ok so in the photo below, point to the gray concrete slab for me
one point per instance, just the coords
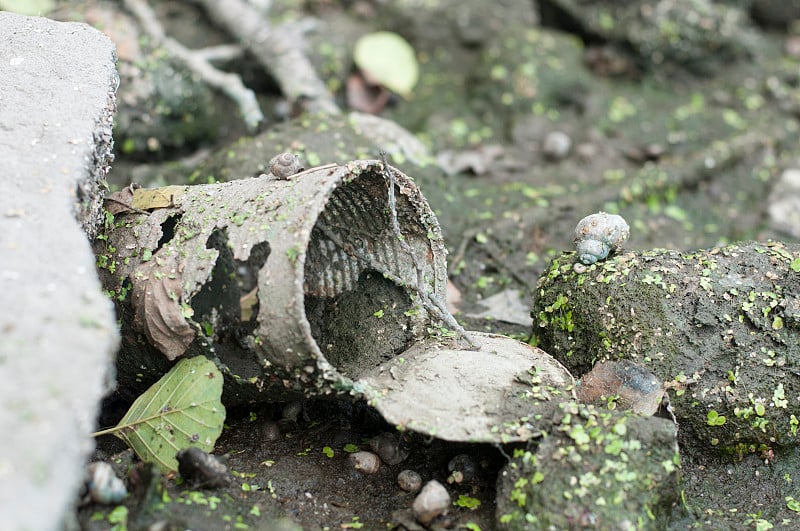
(57, 329)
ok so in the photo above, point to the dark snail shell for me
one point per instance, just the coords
(598, 235)
(284, 165)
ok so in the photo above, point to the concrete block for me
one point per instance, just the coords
(57, 330)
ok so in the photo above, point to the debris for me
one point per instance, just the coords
(202, 469)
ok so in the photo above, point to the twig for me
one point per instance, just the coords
(220, 52)
(279, 49)
(126, 205)
(230, 84)
(432, 303)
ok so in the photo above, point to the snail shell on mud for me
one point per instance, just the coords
(409, 481)
(365, 462)
(433, 501)
(202, 469)
(103, 484)
(284, 165)
(598, 235)
(387, 446)
(462, 468)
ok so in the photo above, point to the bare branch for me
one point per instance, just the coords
(280, 49)
(229, 84)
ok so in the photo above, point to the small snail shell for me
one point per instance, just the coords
(462, 469)
(103, 484)
(387, 446)
(598, 235)
(433, 501)
(284, 165)
(365, 462)
(409, 481)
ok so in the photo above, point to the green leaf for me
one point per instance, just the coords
(388, 59)
(180, 410)
(467, 502)
(28, 7)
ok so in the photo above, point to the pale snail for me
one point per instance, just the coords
(103, 485)
(365, 462)
(598, 235)
(284, 165)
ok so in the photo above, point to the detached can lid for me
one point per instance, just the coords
(504, 392)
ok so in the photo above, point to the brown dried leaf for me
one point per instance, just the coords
(149, 198)
(155, 299)
(248, 303)
(120, 202)
(365, 97)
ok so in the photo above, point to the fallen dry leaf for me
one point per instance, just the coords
(155, 299)
(149, 198)
(119, 202)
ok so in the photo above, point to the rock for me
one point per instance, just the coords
(696, 34)
(433, 501)
(201, 469)
(719, 327)
(58, 329)
(556, 145)
(624, 383)
(778, 14)
(598, 469)
(784, 203)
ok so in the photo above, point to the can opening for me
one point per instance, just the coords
(360, 318)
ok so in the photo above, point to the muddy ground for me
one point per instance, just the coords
(687, 135)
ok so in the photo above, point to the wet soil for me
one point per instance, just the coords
(296, 473)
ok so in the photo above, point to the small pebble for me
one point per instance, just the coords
(432, 502)
(556, 145)
(409, 481)
(271, 431)
(365, 462)
(202, 469)
(291, 411)
(586, 151)
(387, 446)
(103, 484)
